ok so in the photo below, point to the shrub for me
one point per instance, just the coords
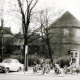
(32, 59)
(63, 61)
(19, 57)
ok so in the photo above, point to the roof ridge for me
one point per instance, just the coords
(66, 19)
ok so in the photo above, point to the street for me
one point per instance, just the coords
(37, 76)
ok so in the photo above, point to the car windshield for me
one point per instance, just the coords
(6, 61)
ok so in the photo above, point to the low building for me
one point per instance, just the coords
(5, 37)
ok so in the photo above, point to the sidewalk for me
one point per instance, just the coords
(52, 73)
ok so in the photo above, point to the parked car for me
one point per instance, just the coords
(10, 65)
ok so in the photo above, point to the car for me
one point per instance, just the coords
(10, 65)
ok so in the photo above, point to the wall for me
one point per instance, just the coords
(65, 39)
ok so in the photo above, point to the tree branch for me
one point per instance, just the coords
(34, 5)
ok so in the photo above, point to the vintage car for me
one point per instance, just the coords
(10, 65)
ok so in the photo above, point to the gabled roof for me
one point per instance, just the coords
(19, 36)
(67, 19)
(6, 30)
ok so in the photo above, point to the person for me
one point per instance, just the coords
(36, 68)
(65, 69)
(47, 68)
(57, 69)
(44, 67)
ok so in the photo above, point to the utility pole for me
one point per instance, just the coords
(1, 40)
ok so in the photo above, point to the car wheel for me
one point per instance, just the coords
(7, 70)
(19, 69)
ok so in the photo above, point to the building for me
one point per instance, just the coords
(66, 34)
(6, 32)
(13, 44)
(74, 58)
(5, 38)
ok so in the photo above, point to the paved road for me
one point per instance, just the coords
(38, 76)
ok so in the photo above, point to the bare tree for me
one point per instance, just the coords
(26, 17)
(45, 18)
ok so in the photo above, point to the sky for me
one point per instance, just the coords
(72, 6)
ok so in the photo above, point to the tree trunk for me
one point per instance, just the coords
(25, 46)
(50, 53)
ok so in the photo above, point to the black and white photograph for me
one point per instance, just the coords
(39, 39)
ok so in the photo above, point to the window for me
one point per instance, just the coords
(77, 32)
(76, 54)
(71, 54)
(66, 32)
(16, 61)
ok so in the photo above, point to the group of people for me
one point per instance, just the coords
(71, 70)
(45, 67)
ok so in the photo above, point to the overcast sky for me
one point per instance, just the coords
(71, 5)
